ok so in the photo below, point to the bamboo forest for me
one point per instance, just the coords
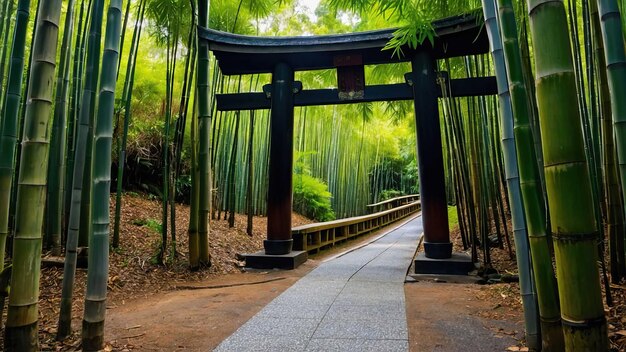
(313, 175)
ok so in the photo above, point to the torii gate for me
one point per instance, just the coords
(348, 54)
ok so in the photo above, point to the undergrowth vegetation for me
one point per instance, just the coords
(311, 198)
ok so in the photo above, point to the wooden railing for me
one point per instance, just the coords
(392, 203)
(315, 237)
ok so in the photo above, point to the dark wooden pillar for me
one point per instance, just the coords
(430, 157)
(279, 197)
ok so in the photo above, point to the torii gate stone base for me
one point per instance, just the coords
(348, 54)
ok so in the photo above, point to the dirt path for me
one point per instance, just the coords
(198, 319)
(440, 316)
(451, 317)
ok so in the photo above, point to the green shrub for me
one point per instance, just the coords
(389, 194)
(152, 224)
(311, 198)
(453, 218)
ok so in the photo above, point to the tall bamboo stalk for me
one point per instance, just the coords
(204, 129)
(56, 181)
(86, 109)
(127, 94)
(534, 333)
(5, 26)
(73, 111)
(547, 292)
(194, 245)
(10, 113)
(574, 228)
(98, 274)
(124, 27)
(615, 54)
(21, 327)
(250, 186)
(615, 215)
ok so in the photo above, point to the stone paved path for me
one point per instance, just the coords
(351, 303)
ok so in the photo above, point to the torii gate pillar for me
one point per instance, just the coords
(430, 158)
(437, 257)
(278, 246)
(279, 196)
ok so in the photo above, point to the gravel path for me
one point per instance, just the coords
(354, 302)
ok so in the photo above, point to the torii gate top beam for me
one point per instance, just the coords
(239, 54)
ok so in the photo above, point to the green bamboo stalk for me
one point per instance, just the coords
(527, 70)
(532, 195)
(97, 276)
(455, 151)
(194, 249)
(510, 144)
(590, 145)
(127, 98)
(231, 172)
(87, 191)
(169, 77)
(82, 135)
(249, 188)
(10, 113)
(56, 182)
(21, 326)
(5, 20)
(574, 228)
(124, 26)
(611, 70)
(20, 121)
(615, 54)
(72, 113)
(5, 26)
(190, 65)
(594, 116)
(615, 216)
(4, 15)
(204, 127)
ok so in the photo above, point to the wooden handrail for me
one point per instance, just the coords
(347, 221)
(315, 237)
(393, 199)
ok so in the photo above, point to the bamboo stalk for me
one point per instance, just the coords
(97, 276)
(574, 228)
(615, 216)
(56, 173)
(21, 326)
(126, 98)
(204, 127)
(87, 102)
(615, 54)
(9, 127)
(5, 26)
(535, 333)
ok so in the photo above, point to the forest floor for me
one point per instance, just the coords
(154, 307)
